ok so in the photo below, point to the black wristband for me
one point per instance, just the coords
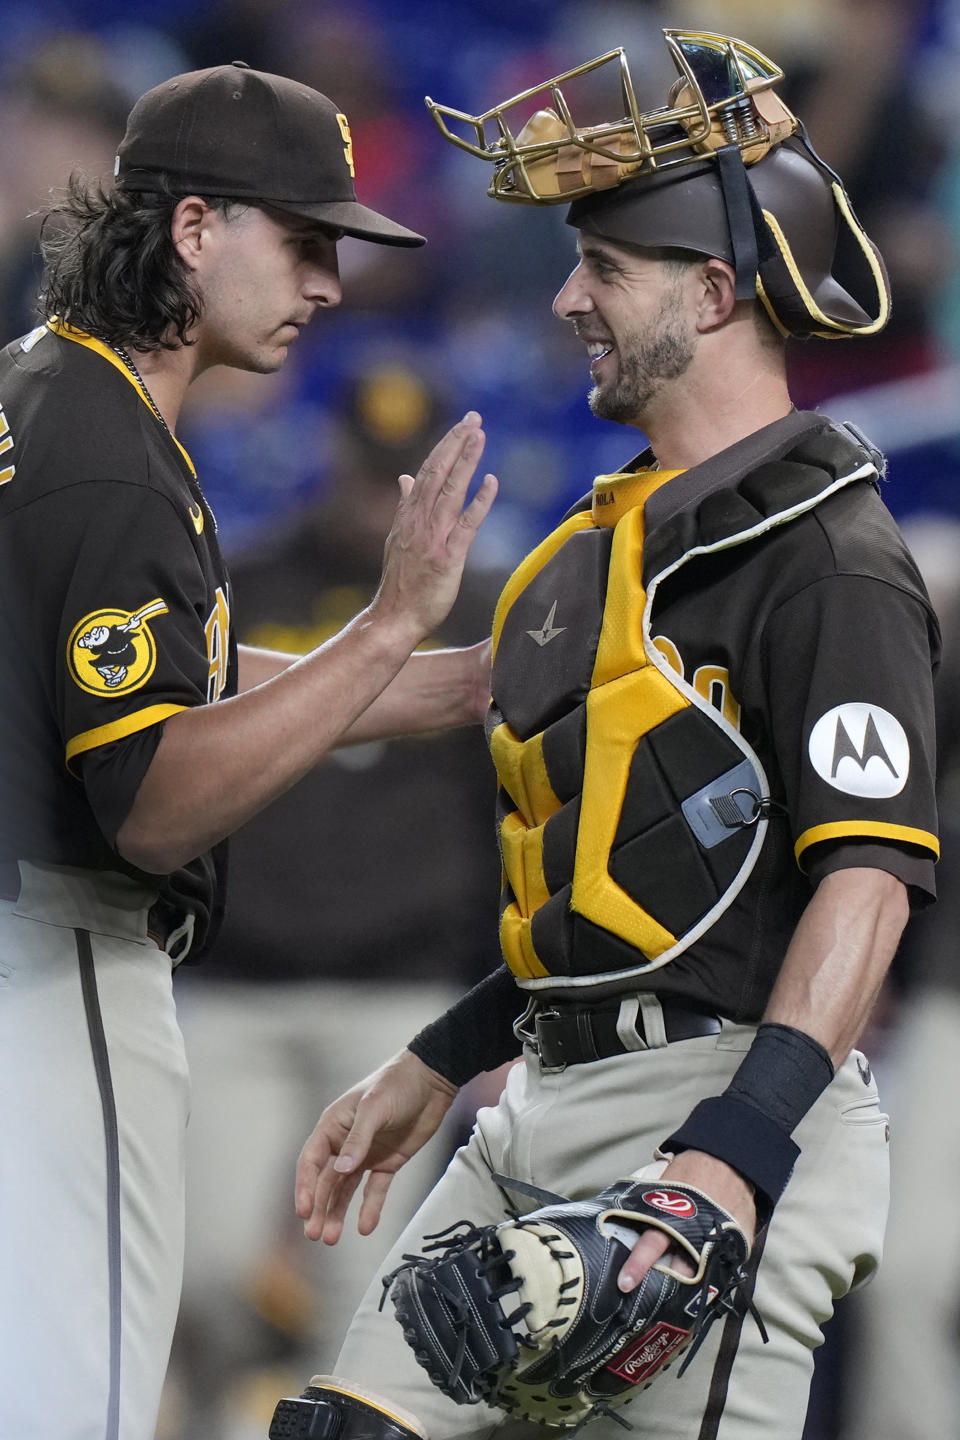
(476, 1033)
(743, 1137)
(750, 1124)
(782, 1074)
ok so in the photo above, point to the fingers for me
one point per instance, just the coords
(331, 1167)
(326, 1222)
(330, 1164)
(432, 532)
(340, 1193)
(469, 520)
(648, 1250)
(444, 477)
(374, 1194)
(323, 1201)
(331, 1201)
(311, 1195)
(467, 433)
(310, 1167)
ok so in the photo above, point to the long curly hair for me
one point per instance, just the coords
(111, 267)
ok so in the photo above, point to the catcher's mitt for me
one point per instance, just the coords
(527, 1316)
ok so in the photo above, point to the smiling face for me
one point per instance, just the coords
(631, 311)
(261, 274)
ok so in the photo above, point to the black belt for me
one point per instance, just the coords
(9, 880)
(575, 1034)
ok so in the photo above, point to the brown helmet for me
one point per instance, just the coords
(722, 169)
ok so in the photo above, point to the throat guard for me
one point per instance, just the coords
(722, 169)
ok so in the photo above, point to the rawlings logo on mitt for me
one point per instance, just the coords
(526, 1315)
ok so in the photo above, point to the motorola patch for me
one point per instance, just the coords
(862, 750)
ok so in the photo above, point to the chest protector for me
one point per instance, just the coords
(630, 809)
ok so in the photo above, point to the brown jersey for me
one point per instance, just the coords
(115, 609)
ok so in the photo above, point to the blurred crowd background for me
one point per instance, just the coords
(367, 898)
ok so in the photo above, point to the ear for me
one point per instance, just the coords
(187, 228)
(717, 294)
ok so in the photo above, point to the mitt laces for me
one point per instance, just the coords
(732, 1298)
(457, 1238)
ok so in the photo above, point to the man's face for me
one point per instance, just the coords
(261, 275)
(629, 309)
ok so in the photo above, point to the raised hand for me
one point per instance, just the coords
(433, 531)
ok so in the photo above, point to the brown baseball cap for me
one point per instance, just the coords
(242, 134)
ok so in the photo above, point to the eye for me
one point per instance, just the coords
(601, 266)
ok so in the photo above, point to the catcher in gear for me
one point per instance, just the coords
(712, 727)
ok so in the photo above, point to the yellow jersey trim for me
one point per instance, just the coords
(119, 729)
(868, 829)
(80, 337)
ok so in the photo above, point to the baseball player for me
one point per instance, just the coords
(712, 727)
(127, 754)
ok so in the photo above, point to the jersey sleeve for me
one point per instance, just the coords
(849, 663)
(136, 636)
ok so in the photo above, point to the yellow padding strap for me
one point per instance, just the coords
(617, 711)
(620, 648)
(516, 941)
(521, 848)
(614, 495)
(523, 774)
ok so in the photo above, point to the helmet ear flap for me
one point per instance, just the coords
(821, 274)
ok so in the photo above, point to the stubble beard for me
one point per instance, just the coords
(646, 360)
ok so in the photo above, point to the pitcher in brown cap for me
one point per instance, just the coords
(136, 734)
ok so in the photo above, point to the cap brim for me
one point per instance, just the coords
(353, 219)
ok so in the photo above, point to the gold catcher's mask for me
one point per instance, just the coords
(722, 169)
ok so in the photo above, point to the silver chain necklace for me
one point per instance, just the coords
(121, 354)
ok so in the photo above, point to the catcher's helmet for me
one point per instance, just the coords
(722, 169)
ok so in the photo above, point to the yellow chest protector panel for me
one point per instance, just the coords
(628, 807)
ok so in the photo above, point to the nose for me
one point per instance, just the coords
(572, 299)
(322, 287)
(321, 281)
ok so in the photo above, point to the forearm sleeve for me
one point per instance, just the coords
(476, 1033)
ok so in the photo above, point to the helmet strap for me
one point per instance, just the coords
(739, 204)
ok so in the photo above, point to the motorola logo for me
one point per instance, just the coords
(862, 750)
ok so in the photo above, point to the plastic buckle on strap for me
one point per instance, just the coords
(548, 1041)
